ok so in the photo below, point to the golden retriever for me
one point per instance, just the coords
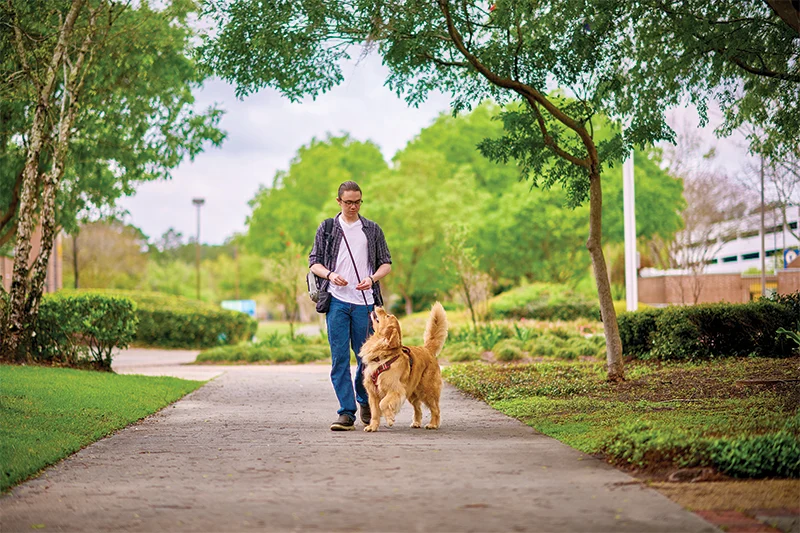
(394, 373)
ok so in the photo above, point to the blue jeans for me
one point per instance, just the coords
(348, 326)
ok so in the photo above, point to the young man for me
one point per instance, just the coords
(351, 276)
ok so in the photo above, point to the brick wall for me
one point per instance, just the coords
(789, 281)
(734, 288)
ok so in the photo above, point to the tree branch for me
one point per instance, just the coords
(761, 71)
(526, 91)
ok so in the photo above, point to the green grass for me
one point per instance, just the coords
(50, 413)
(273, 326)
(664, 416)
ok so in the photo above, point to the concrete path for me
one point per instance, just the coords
(251, 450)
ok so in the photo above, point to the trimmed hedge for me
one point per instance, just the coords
(168, 321)
(72, 327)
(711, 330)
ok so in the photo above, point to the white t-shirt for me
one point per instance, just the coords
(344, 265)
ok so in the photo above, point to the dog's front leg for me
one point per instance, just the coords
(375, 412)
(390, 405)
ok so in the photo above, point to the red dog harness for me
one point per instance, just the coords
(385, 366)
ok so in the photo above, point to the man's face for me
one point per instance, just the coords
(350, 202)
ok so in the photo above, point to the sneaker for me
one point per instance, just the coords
(343, 423)
(366, 415)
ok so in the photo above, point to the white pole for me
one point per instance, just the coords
(629, 212)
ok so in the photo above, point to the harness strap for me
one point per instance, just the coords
(385, 366)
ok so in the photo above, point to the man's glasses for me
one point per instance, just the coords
(351, 203)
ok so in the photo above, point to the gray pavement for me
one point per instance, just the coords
(251, 450)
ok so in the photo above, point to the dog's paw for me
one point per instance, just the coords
(431, 426)
(371, 428)
(416, 425)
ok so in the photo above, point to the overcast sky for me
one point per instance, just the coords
(265, 132)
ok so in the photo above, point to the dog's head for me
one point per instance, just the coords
(387, 328)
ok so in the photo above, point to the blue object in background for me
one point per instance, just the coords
(247, 307)
(789, 256)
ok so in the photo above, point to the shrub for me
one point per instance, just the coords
(73, 326)
(638, 444)
(174, 322)
(542, 301)
(508, 350)
(776, 454)
(461, 352)
(710, 330)
(720, 330)
(254, 353)
(636, 329)
(541, 346)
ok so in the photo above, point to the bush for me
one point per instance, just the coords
(710, 330)
(638, 444)
(542, 301)
(254, 353)
(175, 322)
(508, 350)
(72, 326)
(462, 352)
(636, 329)
(721, 330)
(776, 454)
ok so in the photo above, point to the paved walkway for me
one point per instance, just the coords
(251, 450)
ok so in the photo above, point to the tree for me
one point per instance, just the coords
(413, 202)
(513, 50)
(292, 208)
(285, 280)
(112, 255)
(743, 55)
(463, 261)
(98, 96)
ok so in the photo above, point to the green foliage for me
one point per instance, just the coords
(771, 455)
(508, 350)
(290, 211)
(715, 330)
(274, 347)
(461, 352)
(636, 330)
(543, 301)
(71, 325)
(174, 322)
(136, 114)
(649, 424)
(50, 413)
(707, 331)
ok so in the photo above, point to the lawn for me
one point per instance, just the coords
(50, 413)
(666, 416)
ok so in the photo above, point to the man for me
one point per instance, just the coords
(351, 277)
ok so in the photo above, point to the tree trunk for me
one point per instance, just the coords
(409, 303)
(469, 302)
(21, 314)
(608, 314)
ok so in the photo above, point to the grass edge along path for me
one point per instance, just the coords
(666, 416)
(51, 413)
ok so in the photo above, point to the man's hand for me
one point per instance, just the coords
(336, 279)
(365, 284)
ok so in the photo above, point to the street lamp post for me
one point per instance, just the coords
(199, 203)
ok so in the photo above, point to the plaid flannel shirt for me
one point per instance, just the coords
(326, 250)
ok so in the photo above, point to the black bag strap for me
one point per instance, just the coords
(358, 276)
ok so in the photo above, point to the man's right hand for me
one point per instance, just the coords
(336, 279)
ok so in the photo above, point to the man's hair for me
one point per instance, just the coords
(348, 186)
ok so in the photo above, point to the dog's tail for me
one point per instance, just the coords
(436, 329)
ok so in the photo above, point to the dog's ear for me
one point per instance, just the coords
(393, 336)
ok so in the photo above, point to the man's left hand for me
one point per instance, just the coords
(365, 284)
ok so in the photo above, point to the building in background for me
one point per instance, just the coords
(53, 281)
(731, 263)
